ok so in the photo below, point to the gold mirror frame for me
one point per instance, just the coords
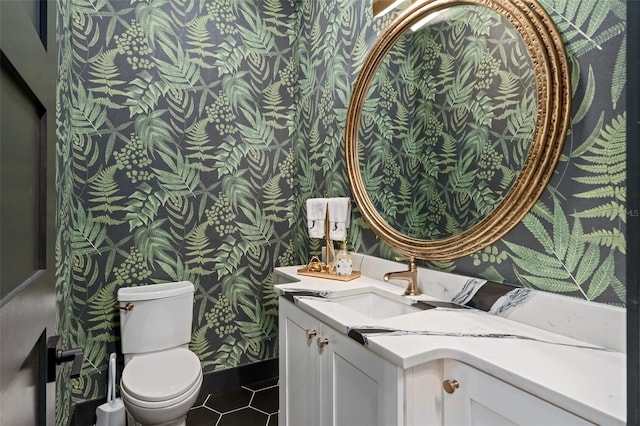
(553, 89)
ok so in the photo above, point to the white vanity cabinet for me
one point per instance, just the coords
(402, 380)
(328, 379)
(478, 398)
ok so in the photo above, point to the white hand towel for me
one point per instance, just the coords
(339, 217)
(316, 212)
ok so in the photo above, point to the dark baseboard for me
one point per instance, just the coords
(233, 378)
(84, 413)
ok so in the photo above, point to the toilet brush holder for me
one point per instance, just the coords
(112, 412)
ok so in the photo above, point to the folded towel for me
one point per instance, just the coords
(316, 212)
(339, 217)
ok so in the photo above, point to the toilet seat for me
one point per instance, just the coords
(161, 379)
(161, 405)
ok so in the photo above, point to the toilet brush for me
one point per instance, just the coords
(112, 412)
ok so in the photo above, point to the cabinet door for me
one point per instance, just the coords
(299, 367)
(358, 387)
(482, 399)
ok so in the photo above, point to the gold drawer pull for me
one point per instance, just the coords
(322, 341)
(310, 333)
(450, 386)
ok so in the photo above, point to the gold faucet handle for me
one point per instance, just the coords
(411, 259)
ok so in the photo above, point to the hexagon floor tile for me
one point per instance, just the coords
(251, 405)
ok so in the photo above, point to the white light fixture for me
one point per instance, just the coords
(382, 7)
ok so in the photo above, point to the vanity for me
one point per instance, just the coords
(362, 353)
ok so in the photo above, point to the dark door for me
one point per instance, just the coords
(27, 211)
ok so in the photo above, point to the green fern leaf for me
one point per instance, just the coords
(549, 284)
(238, 288)
(587, 101)
(229, 255)
(611, 210)
(590, 140)
(86, 234)
(87, 116)
(275, 206)
(239, 90)
(570, 20)
(459, 94)
(155, 132)
(602, 279)
(572, 262)
(237, 189)
(258, 132)
(104, 191)
(588, 264)
(228, 56)
(199, 145)
(101, 311)
(619, 78)
(181, 72)
(199, 41)
(260, 328)
(603, 179)
(537, 263)
(156, 22)
(155, 243)
(105, 74)
(601, 192)
(200, 344)
(259, 230)
(607, 238)
(144, 93)
(229, 354)
(178, 178)
(176, 270)
(575, 247)
(143, 206)
(198, 251)
(180, 212)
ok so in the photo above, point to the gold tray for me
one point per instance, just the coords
(305, 271)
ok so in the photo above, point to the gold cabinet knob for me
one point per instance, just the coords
(310, 333)
(322, 341)
(450, 386)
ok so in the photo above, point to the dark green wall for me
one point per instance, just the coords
(176, 155)
(190, 133)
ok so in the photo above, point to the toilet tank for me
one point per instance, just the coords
(160, 318)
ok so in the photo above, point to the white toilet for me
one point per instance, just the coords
(162, 377)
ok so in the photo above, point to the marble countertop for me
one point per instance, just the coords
(584, 378)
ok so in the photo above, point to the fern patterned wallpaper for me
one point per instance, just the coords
(190, 133)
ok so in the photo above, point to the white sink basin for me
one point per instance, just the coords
(375, 306)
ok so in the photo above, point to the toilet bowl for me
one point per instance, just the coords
(161, 379)
(160, 388)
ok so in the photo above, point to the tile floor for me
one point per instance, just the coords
(251, 405)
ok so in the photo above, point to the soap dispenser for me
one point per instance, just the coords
(344, 263)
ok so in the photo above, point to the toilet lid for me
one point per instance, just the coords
(162, 375)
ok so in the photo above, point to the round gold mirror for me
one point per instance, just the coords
(460, 161)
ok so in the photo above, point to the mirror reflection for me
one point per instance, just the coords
(447, 122)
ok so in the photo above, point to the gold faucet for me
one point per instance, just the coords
(411, 275)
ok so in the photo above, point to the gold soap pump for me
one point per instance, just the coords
(344, 263)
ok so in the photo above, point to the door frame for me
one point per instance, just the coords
(28, 312)
(633, 216)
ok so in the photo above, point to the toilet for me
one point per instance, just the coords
(162, 377)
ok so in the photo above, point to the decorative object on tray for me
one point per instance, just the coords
(329, 218)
